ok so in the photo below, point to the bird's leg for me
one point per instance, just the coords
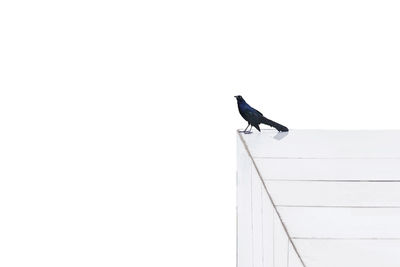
(249, 132)
(246, 128)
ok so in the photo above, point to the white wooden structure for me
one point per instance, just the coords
(318, 198)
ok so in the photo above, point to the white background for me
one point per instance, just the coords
(117, 118)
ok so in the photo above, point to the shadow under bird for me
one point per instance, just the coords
(255, 117)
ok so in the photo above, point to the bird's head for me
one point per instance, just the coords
(239, 98)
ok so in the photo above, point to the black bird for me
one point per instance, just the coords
(255, 117)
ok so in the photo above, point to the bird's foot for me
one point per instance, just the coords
(247, 132)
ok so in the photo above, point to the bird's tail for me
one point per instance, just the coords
(276, 125)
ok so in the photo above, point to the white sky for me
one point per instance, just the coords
(117, 118)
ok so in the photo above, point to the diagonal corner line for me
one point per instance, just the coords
(270, 197)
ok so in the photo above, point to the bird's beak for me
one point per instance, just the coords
(236, 96)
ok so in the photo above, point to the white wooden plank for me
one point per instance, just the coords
(267, 231)
(256, 209)
(329, 169)
(335, 194)
(325, 144)
(349, 253)
(281, 244)
(244, 215)
(341, 222)
(293, 259)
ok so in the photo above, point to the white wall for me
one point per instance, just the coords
(117, 118)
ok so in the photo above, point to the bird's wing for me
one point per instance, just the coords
(259, 113)
(252, 113)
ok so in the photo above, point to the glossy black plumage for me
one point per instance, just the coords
(254, 117)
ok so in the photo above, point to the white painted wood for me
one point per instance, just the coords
(244, 215)
(350, 253)
(262, 241)
(257, 219)
(341, 222)
(267, 231)
(329, 169)
(281, 244)
(293, 259)
(335, 194)
(355, 173)
(325, 144)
